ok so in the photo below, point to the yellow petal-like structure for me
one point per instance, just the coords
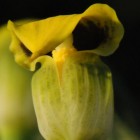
(41, 37)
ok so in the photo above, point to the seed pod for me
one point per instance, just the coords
(78, 106)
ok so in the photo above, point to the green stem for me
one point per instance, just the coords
(11, 134)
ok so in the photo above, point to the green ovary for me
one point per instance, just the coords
(78, 106)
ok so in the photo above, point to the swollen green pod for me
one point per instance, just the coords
(78, 106)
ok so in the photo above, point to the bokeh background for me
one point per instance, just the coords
(124, 63)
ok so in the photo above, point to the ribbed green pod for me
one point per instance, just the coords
(80, 105)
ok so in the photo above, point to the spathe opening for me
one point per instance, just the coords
(88, 34)
(25, 50)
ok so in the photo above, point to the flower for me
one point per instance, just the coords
(72, 90)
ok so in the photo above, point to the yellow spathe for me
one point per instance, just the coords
(37, 38)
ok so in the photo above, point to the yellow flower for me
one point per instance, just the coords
(72, 90)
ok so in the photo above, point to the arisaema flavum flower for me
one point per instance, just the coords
(72, 89)
(17, 116)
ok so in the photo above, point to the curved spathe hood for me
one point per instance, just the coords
(40, 37)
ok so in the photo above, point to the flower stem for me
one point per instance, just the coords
(11, 134)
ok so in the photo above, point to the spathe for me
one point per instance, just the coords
(41, 37)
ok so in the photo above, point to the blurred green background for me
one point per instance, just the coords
(124, 63)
